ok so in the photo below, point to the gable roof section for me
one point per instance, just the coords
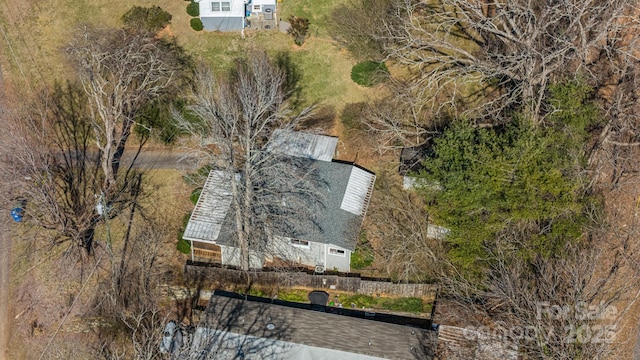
(211, 209)
(344, 188)
(332, 225)
(336, 225)
(225, 345)
(303, 331)
(304, 145)
(223, 23)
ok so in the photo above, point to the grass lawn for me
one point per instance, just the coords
(37, 31)
(360, 301)
(318, 13)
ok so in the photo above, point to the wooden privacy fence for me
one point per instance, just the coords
(297, 278)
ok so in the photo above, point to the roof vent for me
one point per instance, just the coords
(271, 326)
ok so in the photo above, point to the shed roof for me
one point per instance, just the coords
(297, 331)
(304, 145)
(211, 209)
(358, 191)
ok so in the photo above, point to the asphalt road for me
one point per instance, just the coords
(162, 159)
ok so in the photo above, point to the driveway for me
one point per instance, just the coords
(163, 159)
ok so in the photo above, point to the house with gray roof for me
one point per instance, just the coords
(345, 188)
(236, 326)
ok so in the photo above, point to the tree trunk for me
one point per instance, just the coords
(86, 237)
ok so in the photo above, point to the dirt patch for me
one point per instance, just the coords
(5, 268)
(621, 239)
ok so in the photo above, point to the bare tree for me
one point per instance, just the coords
(135, 304)
(356, 26)
(121, 71)
(54, 169)
(483, 59)
(568, 306)
(71, 186)
(613, 156)
(239, 113)
(406, 245)
(402, 119)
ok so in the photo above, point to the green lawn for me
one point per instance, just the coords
(36, 33)
(411, 304)
(318, 13)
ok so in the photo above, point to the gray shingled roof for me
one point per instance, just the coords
(301, 333)
(344, 188)
(333, 224)
(336, 225)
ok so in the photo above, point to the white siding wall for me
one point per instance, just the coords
(313, 254)
(310, 255)
(262, 3)
(231, 256)
(236, 9)
(341, 262)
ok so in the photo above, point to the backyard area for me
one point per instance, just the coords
(413, 305)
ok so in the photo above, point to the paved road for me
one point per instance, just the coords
(163, 159)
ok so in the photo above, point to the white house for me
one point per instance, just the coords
(344, 187)
(222, 15)
(230, 15)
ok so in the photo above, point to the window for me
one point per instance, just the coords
(215, 6)
(256, 7)
(336, 252)
(226, 6)
(297, 242)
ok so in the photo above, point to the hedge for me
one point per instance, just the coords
(193, 9)
(369, 73)
(196, 24)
